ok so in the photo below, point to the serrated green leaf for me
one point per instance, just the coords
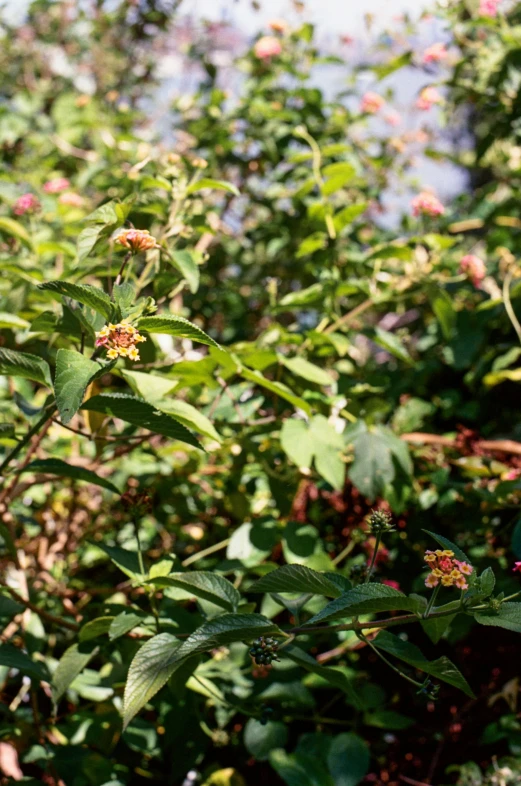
(72, 663)
(487, 582)
(171, 325)
(64, 470)
(94, 297)
(124, 297)
(219, 185)
(74, 372)
(365, 599)
(140, 413)
(508, 616)
(14, 658)
(297, 578)
(442, 668)
(203, 584)
(22, 364)
(224, 630)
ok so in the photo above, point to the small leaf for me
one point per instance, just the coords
(124, 297)
(72, 663)
(487, 582)
(171, 325)
(207, 182)
(64, 470)
(297, 578)
(435, 627)
(22, 364)
(74, 372)
(140, 413)
(442, 668)
(348, 759)
(94, 297)
(203, 584)
(365, 599)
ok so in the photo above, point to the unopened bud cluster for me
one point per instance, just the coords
(120, 340)
(264, 651)
(446, 570)
(380, 521)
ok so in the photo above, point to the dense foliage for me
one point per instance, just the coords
(261, 466)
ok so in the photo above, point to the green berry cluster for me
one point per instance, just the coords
(380, 521)
(264, 651)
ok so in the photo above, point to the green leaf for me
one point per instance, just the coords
(308, 371)
(261, 738)
(508, 616)
(388, 720)
(487, 582)
(275, 387)
(337, 176)
(348, 759)
(225, 630)
(124, 623)
(297, 578)
(347, 215)
(304, 297)
(392, 344)
(22, 364)
(297, 443)
(442, 668)
(332, 674)
(435, 627)
(203, 584)
(14, 658)
(151, 668)
(299, 770)
(448, 544)
(444, 311)
(219, 185)
(64, 470)
(8, 606)
(328, 446)
(151, 387)
(188, 415)
(94, 297)
(314, 242)
(365, 599)
(95, 628)
(72, 663)
(125, 298)
(171, 325)
(377, 452)
(140, 413)
(74, 372)
(184, 262)
(127, 561)
(8, 226)
(12, 321)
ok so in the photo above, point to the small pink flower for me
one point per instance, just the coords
(488, 7)
(266, 47)
(27, 203)
(393, 119)
(391, 583)
(517, 567)
(464, 567)
(347, 39)
(431, 581)
(278, 25)
(71, 199)
(435, 53)
(474, 267)
(427, 204)
(56, 185)
(512, 474)
(427, 98)
(371, 103)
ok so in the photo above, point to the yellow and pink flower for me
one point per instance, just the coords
(426, 204)
(371, 103)
(120, 340)
(447, 570)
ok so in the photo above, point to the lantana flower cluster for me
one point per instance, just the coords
(120, 340)
(427, 204)
(136, 240)
(446, 570)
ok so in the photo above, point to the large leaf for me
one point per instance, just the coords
(203, 584)
(64, 470)
(171, 325)
(74, 372)
(348, 759)
(84, 293)
(225, 630)
(297, 769)
(151, 667)
(508, 616)
(297, 443)
(72, 663)
(187, 414)
(365, 599)
(378, 453)
(442, 668)
(22, 364)
(261, 738)
(140, 413)
(297, 578)
(14, 658)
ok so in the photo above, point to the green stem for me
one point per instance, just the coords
(388, 662)
(30, 434)
(373, 558)
(388, 622)
(139, 553)
(432, 598)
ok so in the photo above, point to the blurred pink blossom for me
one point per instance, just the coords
(71, 199)
(56, 185)
(488, 7)
(428, 97)
(371, 103)
(278, 25)
(267, 46)
(27, 203)
(435, 53)
(393, 119)
(474, 267)
(427, 204)
(391, 583)
(517, 566)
